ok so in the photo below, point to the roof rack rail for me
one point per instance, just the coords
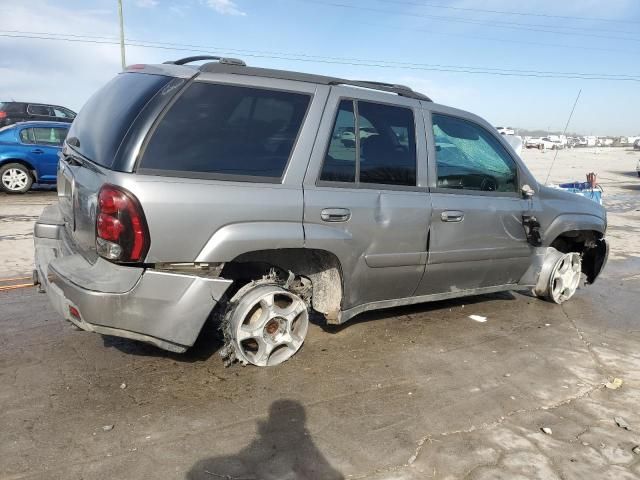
(223, 60)
(401, 90)
(234, 66)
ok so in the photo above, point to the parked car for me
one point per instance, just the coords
(29, 154)
(14, 112)
(547, 143)
(636, 144)
(532, 142)
(221, 192)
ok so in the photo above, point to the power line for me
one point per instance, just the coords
(510, 12)
(503, 41)
(508, 25)
(353, 62)
(218, 48)
(432, 32)
(546, 25)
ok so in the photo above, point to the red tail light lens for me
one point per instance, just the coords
(3, 114)
(121, 229)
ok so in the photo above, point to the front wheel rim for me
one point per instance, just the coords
(15, 179)
(565, 277)
(269, 326)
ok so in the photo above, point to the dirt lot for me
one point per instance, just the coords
(409, 393)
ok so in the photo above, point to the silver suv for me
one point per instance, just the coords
(228, 192)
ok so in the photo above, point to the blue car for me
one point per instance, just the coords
(29, 154)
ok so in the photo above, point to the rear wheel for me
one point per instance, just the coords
(15, 178)
(265, 324)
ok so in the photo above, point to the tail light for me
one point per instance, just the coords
(121, 229)
(3, 114)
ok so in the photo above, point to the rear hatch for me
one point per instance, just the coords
(101, 140)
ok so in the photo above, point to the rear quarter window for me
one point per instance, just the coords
(227, 132)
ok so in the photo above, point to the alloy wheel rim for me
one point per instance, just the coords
(270, 325)
(566, 277)
(15, 179)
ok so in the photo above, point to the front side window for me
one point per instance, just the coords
(50, 136)
(63, 112)
(219, 130)
(380, 145)
(468, 157)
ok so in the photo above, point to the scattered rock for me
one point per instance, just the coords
(478, 318)
(585, 444)
(547, 430)
(507, 374)
(615, 384)
(107, 428)
(123, 386)
(622, 423)
(636, 449)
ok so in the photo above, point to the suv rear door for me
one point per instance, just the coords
(365, 195)
(477, 238)
(46, 146)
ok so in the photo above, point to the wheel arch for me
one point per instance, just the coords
(32, 170)
(321, 267)
(591, 244)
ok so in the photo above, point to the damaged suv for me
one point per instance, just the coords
(225, 191)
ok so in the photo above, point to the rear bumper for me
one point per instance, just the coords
(165, 309)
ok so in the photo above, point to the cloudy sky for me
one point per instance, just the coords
(507, 56)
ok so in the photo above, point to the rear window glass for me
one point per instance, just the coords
(105, 118)
(225, 131)
(12, 107)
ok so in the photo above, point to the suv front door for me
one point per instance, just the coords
(477, 238)
(365, 195)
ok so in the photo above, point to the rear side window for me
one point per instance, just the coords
(225, 131)
(50, 136)
(40, 110)
(26, 135)
(378, 148)
(340, 162)
(105, 118)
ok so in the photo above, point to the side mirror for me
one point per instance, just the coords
(527, 191)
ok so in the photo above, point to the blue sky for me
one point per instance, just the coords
(393, 33)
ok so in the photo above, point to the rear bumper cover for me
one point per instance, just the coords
(161, 308)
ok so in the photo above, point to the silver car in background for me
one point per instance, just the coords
(228, 192)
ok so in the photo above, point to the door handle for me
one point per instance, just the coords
(335, 214)
(452, 216)
(37, 150)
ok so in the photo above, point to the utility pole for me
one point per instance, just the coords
(122, 56)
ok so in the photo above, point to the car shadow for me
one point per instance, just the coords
(418, 308)
(283, 449)
(627, 173)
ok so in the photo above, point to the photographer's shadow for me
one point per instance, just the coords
(283, 450)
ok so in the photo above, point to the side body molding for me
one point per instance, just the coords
(238, 238)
